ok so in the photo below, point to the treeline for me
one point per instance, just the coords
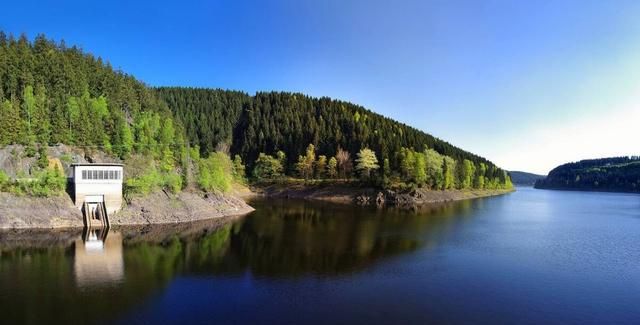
(270, 124)
(618, 174)
(423, 169)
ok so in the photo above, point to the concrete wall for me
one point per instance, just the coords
(110, 189)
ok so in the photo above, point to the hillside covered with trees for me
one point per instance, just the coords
(524, 178)
(174, 138)
(51, 94)
(619, 174)
(310, 137)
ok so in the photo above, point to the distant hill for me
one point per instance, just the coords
(618, 174)
(524, 178)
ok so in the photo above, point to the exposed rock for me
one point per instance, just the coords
(20, 212)
(25, 212)
(351, 193)
(14, 161)
(157, 208)
(380, 199)
(363, 199)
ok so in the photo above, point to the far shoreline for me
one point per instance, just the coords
(352, 194)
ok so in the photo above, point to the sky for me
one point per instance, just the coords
(527, 84)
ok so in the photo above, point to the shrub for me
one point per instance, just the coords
(49, 182)
(173, 182)
(153, 180)
(4, 180)
(43, 160)
(267, 167)
(66, 158)
(238, 170)
(215, 173)
(146, 183)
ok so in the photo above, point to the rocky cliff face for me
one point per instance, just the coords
(15, 161)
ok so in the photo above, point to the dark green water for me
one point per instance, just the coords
(530, 257)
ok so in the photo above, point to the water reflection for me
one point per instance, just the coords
(98, 258)
(297, 237)
(75, 277)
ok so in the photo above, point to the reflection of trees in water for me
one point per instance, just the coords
(52, 284)
(283, 238)
(48, 278)
(296, 237)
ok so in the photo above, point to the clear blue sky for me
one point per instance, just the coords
(528, 84)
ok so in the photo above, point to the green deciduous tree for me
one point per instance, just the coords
(332, 167)
(306, 163)
(467, 170)
(238, 169)
(435, 175)
(267, 167)
(366, 162)
(419, 169)
(321, 166)
(449, 172)
(215, 173)
(480, 176)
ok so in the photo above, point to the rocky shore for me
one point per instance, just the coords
(344, 193)
(161, 208)
(24, 212)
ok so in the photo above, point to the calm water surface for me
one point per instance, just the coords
(533, 256)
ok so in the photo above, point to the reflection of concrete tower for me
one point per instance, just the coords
(98, 258)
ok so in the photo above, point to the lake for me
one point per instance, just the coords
(533, 256)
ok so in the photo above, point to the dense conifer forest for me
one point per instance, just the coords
(619, 174)
(272, 122)
(51, 93)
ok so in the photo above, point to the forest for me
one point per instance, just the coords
(51, 93)
(269, 124)
(618, 174)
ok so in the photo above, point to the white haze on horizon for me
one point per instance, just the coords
(611, 134)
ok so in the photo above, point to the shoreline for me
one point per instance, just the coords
(59, 212)
(160, 208)
(568, 189)
(348, 194)
(46, 238)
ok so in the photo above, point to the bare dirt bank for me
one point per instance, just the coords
(24, 212)
(345, 193)
(160, 208)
